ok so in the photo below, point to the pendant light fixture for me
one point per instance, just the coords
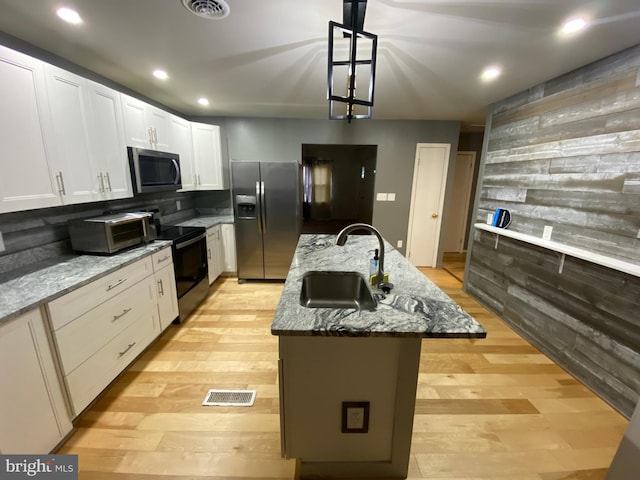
(352, 64)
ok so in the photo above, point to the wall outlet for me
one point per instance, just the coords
(355, 417)
(638, 234)
(546, 232)
(399, 244)
(489, 218)
(2, 248)
(177, 204)
(381, 197)
(391, 197)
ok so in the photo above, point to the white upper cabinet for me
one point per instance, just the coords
(211, 169)
(145, 125)
(71, 153)
(108, 146)
(27, 180)
(180, 140)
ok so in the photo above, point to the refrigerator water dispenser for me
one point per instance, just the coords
(246, 206)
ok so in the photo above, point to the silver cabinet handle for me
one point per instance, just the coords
(150, 135)
(209, 253)
(166, 257)
(199, 182)
(129, 347)
(118, 283)
(60, 181)
(155, 136)
(100, 183)
(124, 312)
(108, 181)
(161, 287)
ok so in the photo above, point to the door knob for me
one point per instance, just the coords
(434, 215)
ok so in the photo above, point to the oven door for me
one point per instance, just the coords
(190, 262)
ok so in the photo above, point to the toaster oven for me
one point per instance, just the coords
(111, 233)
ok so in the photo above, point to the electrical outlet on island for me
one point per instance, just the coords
(2, 249)
(177, 204)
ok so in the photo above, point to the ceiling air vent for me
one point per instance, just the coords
(211, 9)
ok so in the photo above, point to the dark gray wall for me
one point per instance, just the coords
(281, 140)
(566, 153)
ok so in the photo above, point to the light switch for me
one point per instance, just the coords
(391, 197)
(546, 232)
(381, 197)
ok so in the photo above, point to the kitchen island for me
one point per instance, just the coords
(348, 377)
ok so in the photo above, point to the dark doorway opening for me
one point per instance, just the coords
(338, 186)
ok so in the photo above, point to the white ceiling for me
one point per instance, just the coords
(269, 57)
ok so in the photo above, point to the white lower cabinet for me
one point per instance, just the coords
(215, 254)
(166, 287)
(101, 327)
(33, 413)
(229, 247)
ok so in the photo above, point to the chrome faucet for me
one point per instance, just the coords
(342, 239)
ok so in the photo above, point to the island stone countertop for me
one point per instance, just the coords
(206, 221)
(43, 285)
(415, 307)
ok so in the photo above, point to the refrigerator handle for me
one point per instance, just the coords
(263, 208)
(259, 202)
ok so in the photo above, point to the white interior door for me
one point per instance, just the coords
(427, 198)
(456, 223)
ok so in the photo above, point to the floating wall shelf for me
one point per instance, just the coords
(563, 250)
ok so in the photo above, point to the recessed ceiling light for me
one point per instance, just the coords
(203, 101)
(161, 74)
(69, 15)
(490, 73)
(574, 25)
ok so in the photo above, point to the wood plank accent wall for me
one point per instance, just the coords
(566, 153)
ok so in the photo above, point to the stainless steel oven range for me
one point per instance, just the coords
(190, 265)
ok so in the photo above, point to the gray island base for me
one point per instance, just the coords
(348, 378)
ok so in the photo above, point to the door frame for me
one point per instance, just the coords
(473, 154)
(445, 176)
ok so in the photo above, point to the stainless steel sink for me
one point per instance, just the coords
(326, 289)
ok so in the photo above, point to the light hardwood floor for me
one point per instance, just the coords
(490, 409)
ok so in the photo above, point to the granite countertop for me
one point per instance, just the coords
(415, 307)
(42, 285)
(206, 221)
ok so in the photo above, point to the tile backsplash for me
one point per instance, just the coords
(35, 238)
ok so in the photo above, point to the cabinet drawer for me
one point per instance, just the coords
(162, 258)
(80, 339)
(72, 305)
(90, 378)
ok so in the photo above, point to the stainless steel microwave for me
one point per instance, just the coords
(154, 171)
(112, 233)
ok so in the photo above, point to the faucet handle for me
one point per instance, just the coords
(386, 287)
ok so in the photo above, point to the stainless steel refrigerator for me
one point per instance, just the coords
(267, 206)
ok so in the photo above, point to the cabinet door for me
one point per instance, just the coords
(180, 140)
(214, 260)
(137, 130)
(68, 102)
(107, 140)
(158, 120)
(207, 156)
(33, 415)
(167, 296)
(27, 180)
(229, 247)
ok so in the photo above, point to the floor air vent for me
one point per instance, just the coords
(230, 398)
